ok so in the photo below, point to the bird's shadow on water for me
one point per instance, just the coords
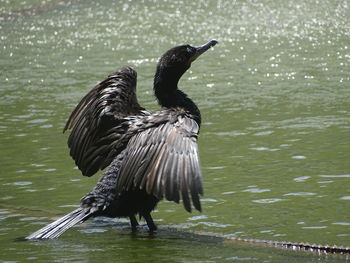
(123, 229)
(115, 237)
(122, 226)
(118, 240)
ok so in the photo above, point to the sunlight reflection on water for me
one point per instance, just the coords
(274, 98)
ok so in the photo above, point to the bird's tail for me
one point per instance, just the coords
(61, 225)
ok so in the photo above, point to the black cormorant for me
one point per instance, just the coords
(151, 156)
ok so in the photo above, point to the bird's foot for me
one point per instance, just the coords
(134, 223)
(151, 225)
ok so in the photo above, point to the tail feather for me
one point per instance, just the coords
(61, 225)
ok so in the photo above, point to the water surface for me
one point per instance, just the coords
(274, 144)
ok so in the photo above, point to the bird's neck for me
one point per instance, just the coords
(169, 96)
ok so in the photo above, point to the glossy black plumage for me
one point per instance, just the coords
(151, 156)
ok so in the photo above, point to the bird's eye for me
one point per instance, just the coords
(190, 50)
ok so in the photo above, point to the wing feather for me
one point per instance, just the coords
(99, 121)
(163, 159)
(173, 180)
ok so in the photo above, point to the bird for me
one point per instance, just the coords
(148, 156)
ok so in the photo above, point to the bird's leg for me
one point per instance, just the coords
(133, 222)
(151, 226)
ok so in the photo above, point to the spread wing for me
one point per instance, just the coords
(164, 160)
(98, 114)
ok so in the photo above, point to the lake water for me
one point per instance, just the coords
(274, 144)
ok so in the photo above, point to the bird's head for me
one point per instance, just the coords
(174, 63)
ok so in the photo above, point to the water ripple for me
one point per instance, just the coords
(214, 224)
(209, 200)
(335, 176)
(236, 258)
(314, 227)
(300, 194)
(229, 133)
(265, 149)
(299, 157)
(341, 223)
(267, 200)
(92, 230)
(256, 190)
(263, 133)
(22, 183)
(228, 193)
(301, 178)
(38, 121)
(193, 218)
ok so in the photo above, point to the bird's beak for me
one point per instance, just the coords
(201, 49)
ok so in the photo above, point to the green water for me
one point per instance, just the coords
(274, 144)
